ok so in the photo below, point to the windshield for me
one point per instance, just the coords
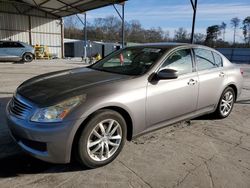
(130, 61)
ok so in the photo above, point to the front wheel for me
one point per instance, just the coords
(226, 103)
(102, 139)
(28, 57)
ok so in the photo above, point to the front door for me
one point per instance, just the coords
(168, 99)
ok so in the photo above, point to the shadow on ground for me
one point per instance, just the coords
(243, 101)
(22, 163)
(213, 117)
(7, 146)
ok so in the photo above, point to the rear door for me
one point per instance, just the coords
(169, 99)
(211, 77)
(13, 50)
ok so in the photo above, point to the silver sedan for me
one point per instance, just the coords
(90, 112)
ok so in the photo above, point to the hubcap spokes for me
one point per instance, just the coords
(104, 140)
(28, 57)
(226, 103)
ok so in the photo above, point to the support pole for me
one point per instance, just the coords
(123, 25)
(30, 34)
(194, 6)
(122, 16)
(85, 36)
(62, 38)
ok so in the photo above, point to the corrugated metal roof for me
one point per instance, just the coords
(61, 8)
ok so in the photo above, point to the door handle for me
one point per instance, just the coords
(222, 74)
(192, 82)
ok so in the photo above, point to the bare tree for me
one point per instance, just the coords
(108, 29)
(235, 22)
(181, 35)
(223, 29)
(70, 22)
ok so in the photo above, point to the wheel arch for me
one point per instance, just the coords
(122, 111)
(234, 87)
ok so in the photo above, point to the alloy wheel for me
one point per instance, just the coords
(226, 103)
(28, 58)
(104, 140)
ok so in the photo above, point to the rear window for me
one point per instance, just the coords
(204, 59)
(217, 60)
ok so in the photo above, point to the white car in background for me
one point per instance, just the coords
(16, 51)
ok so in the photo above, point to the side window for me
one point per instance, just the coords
(16, 45)
(217, 60)
(1, 44)
(204, 59)
(7, 44)
(181, 61)
(12, 45)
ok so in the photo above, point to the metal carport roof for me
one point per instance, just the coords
(61, 8)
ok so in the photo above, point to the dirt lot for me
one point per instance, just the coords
(204, 153)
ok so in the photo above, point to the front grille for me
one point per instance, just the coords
(19, 108)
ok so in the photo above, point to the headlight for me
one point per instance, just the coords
(57, 112)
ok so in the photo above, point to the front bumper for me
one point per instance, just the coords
(51, 142)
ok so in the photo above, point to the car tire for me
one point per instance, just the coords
(226, 103)
(28, 57)
(93, 149)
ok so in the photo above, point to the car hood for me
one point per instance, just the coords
(53, 87)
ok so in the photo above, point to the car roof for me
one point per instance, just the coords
(10, 41)
(168, 45)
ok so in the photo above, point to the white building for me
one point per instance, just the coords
(40, 21)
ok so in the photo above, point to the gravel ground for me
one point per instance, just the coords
(202, 153)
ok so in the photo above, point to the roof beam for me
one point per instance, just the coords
(16, 8)
(65, 8)
(110, 2)
(35, 3)
(70, 6)
(44, 2)
(28, 5)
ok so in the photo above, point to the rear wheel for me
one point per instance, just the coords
(102, 139)
(28, 57)
(226, 103)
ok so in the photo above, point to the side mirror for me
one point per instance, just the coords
(165, 74)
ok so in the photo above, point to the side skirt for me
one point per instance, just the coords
(186, 117)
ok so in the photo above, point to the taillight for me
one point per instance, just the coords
(241, 71)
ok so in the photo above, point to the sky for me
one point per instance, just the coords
(172, 14)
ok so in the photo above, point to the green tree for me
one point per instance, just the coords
(212, 34)
(246, 29)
